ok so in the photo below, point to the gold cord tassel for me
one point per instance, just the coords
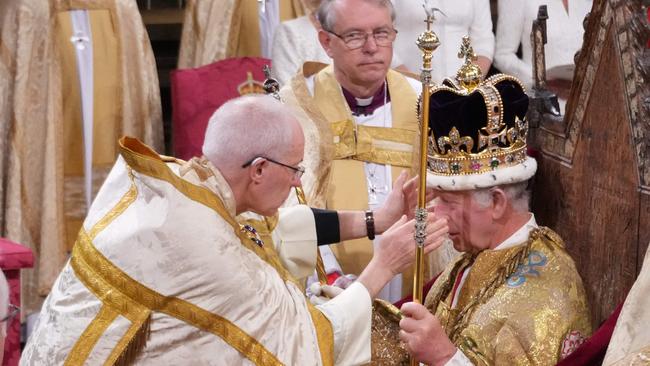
(136, 344)
(486, 293)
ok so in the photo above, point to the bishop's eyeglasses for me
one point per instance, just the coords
(298, 171)
(384, 37)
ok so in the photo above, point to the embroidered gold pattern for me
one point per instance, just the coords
(381, 145)
(82, 348)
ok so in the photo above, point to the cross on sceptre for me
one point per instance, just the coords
(429, 20)
(430, 10)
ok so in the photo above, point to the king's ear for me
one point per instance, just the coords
(499, 203)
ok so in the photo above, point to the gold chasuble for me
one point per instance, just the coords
(76, 75)
(524, 305)
(336, 149)
(162, 274)
(214, 30)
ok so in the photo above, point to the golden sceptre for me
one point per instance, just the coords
(272, 87)
(427, 43)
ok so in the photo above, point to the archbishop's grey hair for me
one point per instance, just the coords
(247, 127)
(517, 193)
(326, 13)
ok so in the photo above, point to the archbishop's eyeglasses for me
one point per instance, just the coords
(384, 37)
(298, 171)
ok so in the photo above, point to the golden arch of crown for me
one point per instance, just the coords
(497, 146)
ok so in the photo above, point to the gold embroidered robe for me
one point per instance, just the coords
(40, 120)
(524, 305)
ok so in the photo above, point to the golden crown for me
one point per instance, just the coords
(476, 126)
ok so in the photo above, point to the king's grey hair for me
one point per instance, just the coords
(517, 193)
(326, 13)
(247, 127)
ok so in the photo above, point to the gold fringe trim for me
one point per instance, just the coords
(131, 343)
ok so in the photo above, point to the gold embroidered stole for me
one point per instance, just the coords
(244, 33)
(356, 144)
(122, 295)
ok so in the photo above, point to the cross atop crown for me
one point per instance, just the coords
(467, 51)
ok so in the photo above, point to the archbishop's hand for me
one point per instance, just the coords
(423, 335)
(394, 207)
(410, 193)
(323, 293)
(396, 251)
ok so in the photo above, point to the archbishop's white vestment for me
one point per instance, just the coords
(162, 274)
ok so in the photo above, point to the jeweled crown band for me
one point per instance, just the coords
(476, 163)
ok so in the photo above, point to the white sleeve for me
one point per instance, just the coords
(480, 31)
(509, 34)
(350, 314)
(284, 60)
(296, 241)
(459, 359)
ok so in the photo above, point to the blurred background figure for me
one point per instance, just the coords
(74, 76)
(295, 42)
(564, 34)
(214, 30)
(455, 20)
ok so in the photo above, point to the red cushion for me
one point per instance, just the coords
(197, 93)
(15, 256)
